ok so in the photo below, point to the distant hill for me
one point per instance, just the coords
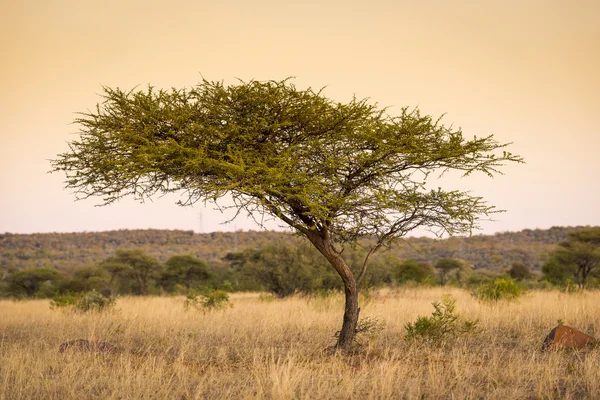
(67, 251)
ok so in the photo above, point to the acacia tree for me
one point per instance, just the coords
(578, 255)
(334, 172)
(185, 270)
(30, 280)
(445, 266)
(135, 265)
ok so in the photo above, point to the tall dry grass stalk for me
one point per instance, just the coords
(276, 350)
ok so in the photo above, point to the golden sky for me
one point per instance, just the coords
(526, 71)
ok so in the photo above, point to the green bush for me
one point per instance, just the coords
(215, 300)
(441, 325)
(94, 301)
(266, 297)
(412, 273)
(83, 302)
(67, 299)
(498, 289)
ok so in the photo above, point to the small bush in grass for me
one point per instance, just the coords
(94, 301)
(227, 286)
(367, 328)
(215, 300)
(442, 324)
(63, 300)
(370, 326)
(266, 297)
(498, 289)
(90, 301)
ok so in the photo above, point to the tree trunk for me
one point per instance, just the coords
(351, 310)
(580, 277)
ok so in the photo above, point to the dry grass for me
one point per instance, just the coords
(275, 350)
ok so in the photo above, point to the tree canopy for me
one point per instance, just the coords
(315, 163)
(30, 280)
(335, 172)
(445, 266)
(578, 256)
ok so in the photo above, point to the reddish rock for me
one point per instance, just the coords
(563, 337)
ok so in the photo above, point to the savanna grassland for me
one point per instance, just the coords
(278, 350)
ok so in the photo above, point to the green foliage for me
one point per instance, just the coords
(519, 271)
(215, 300)
(578, 256)
(412, 271)
(557, 273)
(443, 323)
(446, 266)
(227, 286)
(286, 269)
(266, 298)
(379, 273)
(83, 302)
(94, 301)
(87, 278)
(498, 289)
(64, 300)
(133, 268)
(185, 270)
(29, 281)
(291, 153)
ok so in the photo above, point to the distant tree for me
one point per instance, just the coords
(240, 270)
(184, 270)
(445, 267)
(85, 279)
(579, 254)
(519, 271)
(333, 172)
(481, 276)
(285, 269)
(378, 274)
(117, 271)
(141, 268)
(30, 280)
(462, 274)
(557, 273)
(411, 270)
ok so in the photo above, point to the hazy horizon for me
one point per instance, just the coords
(526, 72)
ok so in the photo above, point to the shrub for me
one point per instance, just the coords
(442, 324)
(227, 286)
(94, 301)
(90, 301)
(370, 326)
(266, 297)
(519, 271)
(498, 289)
(217, 299)
(67, 299)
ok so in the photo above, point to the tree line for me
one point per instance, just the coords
(292, 267)
(70, 251)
